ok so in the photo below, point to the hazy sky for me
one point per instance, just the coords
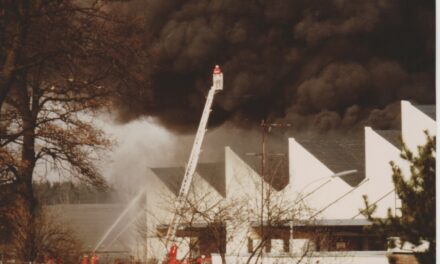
(143, 143)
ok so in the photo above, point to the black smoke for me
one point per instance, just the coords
(321, 64)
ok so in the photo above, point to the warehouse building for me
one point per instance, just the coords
(325, 183)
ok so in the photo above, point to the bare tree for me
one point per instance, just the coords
(65, 33)
(221, 218)
(224, 219)
(281, 211)
(42, 238)
(60, 61)
(273, 212)
(206, 215)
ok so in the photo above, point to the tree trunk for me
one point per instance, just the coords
(17, 28)
(26, 170)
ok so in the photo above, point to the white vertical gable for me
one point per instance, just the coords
(414, 122)
(304, 168)
(241, 179)
(379, 153)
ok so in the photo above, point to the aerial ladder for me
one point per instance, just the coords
(217, 79)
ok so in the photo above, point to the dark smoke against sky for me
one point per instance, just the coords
(330, 64)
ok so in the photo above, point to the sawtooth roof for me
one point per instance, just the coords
(276, 168)
(213, 173)
(429, 110)
(339, 154)
(392, 136)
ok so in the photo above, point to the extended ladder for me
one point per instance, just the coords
(217, 78)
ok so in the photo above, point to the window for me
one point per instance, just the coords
(341, 245)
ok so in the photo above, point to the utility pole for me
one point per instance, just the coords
(265, 129)
(146, 227)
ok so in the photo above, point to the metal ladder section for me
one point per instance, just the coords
(193, 159)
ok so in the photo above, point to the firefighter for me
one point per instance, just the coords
(173, 255)
(199, 260)
(94, 259)
(85, 259)
(50, 260)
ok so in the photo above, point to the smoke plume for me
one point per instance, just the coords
(322, 64)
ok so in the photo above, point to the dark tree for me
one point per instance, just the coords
(59, 61)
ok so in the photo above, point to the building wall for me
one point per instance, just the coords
(378, 155)
(414, 122)
(241, 180)
(243, 185)
(307, 173)
(363, 257)
(91, 222)
(305, 170)
(160, 205)
(157, 213)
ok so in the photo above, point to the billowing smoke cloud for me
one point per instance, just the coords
(323, 64)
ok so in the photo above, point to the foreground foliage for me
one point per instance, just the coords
(417, 222)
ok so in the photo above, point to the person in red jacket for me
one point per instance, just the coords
(85, 259)
(173, 255)
(94, 259)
